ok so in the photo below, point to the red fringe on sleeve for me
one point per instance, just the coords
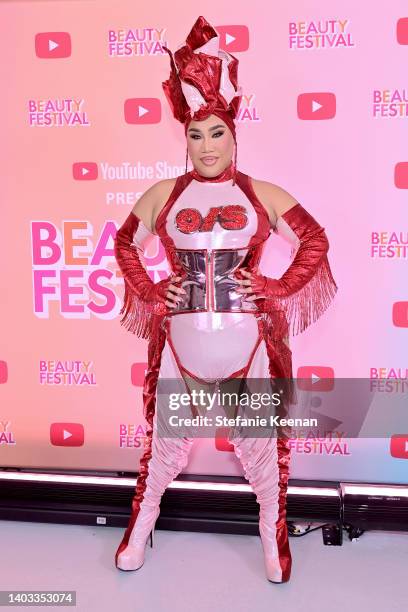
(307, 288)
(141, 316)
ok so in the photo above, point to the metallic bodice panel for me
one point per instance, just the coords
(209, 282)
(211, 226)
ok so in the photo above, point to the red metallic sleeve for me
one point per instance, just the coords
(307, 288)
(143, 307)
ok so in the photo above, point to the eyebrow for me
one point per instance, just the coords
(215, 127)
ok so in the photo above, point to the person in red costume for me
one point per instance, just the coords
(213, 222)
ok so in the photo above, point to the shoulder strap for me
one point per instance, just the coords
(264, 225)
(181, 183)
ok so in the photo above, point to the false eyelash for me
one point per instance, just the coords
(193, 135)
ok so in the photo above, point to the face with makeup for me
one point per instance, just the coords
(210, 145)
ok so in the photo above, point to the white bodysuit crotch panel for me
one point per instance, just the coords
(232, 351)
(213, 345)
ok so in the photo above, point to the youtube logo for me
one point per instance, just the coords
(399, 446)
(402, 31)
(85, 171)
(67, 434)
(221, 440)
(137, 374)
(400, 314)
(401, 175)
(142, 111)
(3, 372)
(318, 105)
(233, 38)
(315, 378)
(52, 45)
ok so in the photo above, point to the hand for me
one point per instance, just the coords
(173, 293)
(256, 285)
(252, 285)
(163, 292)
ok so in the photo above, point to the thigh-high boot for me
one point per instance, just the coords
(160, 464)
(266, 466)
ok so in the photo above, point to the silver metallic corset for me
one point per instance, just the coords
(209, 281)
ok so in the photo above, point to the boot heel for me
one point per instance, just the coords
(153, 529)
(278, 563)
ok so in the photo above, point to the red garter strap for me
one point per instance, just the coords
(155, 348)
(242, 371)
(280, 366)
(282, 538)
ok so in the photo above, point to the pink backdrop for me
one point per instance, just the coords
(84, 116)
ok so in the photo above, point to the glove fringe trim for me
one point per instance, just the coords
(293, 314)
(140, 317)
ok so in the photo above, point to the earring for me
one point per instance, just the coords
(186, 159)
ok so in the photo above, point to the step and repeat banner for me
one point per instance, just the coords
(86, 131)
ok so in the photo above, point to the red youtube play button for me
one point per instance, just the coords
(402, 31)
(142, 110)
(399, 446)
(3, 372)
(316, 106)
(401, 175)
(85, 171)
(138, 373)
(52, 45)
(67, 434)
(315, 378)
(400, 314)
(233, 37)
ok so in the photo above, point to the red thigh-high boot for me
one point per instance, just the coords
(168, 457)
(266, 466)
(143, 312)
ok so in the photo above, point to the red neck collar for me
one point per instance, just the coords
(225, 175)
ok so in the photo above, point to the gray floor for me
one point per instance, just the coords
(197, 572)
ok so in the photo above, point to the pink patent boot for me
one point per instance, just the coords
(162, 461)
(266, 466)
(132, 557)
(275, 543)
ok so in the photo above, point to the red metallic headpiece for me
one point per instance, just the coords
(203, 79)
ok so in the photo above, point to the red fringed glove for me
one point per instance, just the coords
(144, 304)
(307, 288)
